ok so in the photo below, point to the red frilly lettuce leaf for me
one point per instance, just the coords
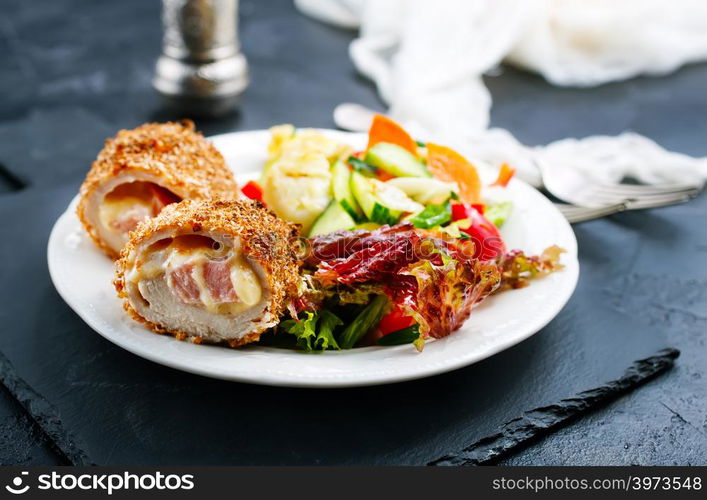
(446, 292)
(517, 269)
(435, 279)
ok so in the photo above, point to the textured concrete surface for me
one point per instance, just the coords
(69, 81)
(665, 422)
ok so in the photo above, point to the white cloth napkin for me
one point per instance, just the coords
(427, 58)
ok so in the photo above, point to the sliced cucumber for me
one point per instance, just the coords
(381, 202)
(341, 187)
(393, 198)
(383, 215)
(361, 167)
(334, 218)
(425, 191)
(363, 192)
(396, 161)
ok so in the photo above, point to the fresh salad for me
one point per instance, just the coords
(400, 242)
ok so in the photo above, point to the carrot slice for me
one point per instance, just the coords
(383, 129)
(448, 165)
(504, 175)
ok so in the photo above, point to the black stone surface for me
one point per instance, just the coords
(538, 422)
(73, 72)
(46, 424)
(21, 441)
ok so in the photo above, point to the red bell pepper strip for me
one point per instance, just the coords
(395, 320)
(488, 243)
(459, 210)
(253, 191)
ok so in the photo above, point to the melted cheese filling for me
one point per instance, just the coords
(170, 254)
(129, 203)
(245, 282)
(112, 210)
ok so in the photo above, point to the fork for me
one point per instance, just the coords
(590, 199)
(575, 213)
(578, 189)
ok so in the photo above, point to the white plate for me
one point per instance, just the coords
(83, 276)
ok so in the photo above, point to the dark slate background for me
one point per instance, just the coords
(74, 72)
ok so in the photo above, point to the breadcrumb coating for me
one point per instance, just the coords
(184, 162)
(264, 238)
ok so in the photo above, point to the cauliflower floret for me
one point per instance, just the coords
(298, 187)
(279, 135)
(297, 178)
(287, 142)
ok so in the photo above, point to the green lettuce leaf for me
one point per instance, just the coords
(365, 321)
(498, 212)
(433, 215)
(405, 336)
(304, 329)
(314, 332)
(328, 321)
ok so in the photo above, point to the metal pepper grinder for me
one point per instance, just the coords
(201, 70)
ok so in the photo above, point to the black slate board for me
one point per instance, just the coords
(539, 422)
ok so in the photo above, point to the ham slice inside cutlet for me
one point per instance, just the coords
(202, 272)
(183, 284)
(217, 275)
(128, 204)
(129, 219)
